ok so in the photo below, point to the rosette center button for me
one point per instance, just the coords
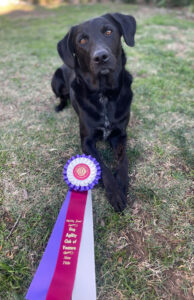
(81, 171)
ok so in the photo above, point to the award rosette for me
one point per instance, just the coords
(81, 173)
(67, 268)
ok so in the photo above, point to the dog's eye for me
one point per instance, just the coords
(108, 32)
(83, 41)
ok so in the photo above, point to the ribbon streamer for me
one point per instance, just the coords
(85, 280)
(42, 279)
(67, 268)
(61, 286)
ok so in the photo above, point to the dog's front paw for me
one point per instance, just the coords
(122, 181)
(121, 175)
(113, 191)
(117, 199)
(63, 103)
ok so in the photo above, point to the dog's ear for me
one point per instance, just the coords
(126, 25)
(65, 48)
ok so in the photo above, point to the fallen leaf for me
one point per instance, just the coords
(120, 260)
(9, 255)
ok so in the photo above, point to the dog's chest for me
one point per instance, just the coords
(105, 125)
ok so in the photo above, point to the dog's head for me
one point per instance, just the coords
(95, 46)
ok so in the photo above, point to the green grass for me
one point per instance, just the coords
(147, 253)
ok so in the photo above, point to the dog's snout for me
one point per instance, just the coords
(101, 56)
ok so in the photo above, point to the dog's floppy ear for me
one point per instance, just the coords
(65, 49)
(126, 25)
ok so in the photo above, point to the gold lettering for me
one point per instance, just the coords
(71, 235)
(68, 252)
(71, 229)
(69, 248)
(67, 257)
(66, 241)
(66, 263)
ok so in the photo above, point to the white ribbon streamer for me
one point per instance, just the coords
(85, 279)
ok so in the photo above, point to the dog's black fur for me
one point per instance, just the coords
(94, 78)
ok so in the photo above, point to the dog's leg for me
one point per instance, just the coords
(62, 104)
(59, 87)
(115, 195)
(118, 144)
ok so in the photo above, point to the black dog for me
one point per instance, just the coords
(94, 78)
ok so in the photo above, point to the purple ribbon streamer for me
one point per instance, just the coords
(40, 284)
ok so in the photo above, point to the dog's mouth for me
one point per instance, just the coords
(104, 71)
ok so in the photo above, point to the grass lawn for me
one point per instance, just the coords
(147, 253)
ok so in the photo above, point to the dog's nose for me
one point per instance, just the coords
(100, 56)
